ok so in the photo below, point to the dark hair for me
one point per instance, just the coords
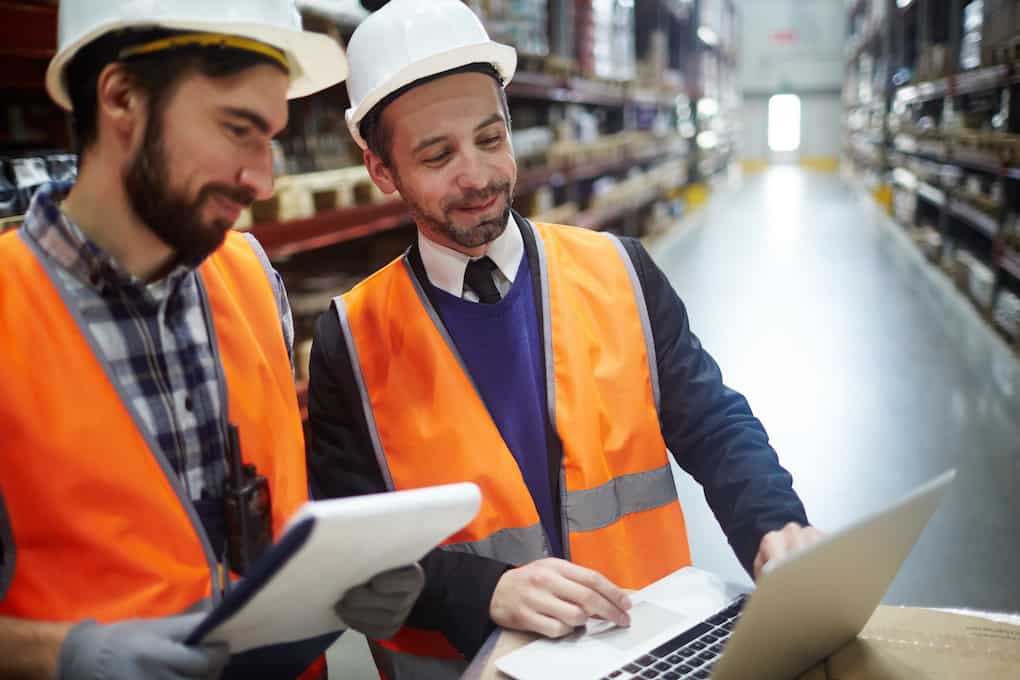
(377, 135)
(156, 74)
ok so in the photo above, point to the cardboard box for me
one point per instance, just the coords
(906, 643)
(999, 23)
(898, 643)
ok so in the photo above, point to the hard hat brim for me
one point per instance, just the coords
(316, 60)
(502, 57)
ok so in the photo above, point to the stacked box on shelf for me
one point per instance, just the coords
(929, 241)
(317, 137)
(560, 214)
(1006, 313)
(961, 264)
(584, 36)
(981, 284)
(541, 203)
(652, 72)
(619, 147)
(984, 192)
(613, 40)
(531, 145)
(10, 205)
(1011, 232)
(904, 205)
(29, 174)
(21, 176)
(933, 62)
(301, 196)
(999, 26)
(521, 23)
(970, 43)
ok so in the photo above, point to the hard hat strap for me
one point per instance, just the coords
(207, 40)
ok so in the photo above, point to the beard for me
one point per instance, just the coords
(471, 235)
(170, 215)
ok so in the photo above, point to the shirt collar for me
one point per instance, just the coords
(67, 245)
(445, 267)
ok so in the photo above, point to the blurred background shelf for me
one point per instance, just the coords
(331, 227)
(601, 218)
(618, 108)
(946, 73)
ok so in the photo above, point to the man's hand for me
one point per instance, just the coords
(778, 544)
(553, 596)
(379, 608)
(139, 648)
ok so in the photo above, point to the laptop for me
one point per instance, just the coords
(692, 625)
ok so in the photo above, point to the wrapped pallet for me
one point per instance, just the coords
(1006, 313)
(521, 23)
(998, 26)
(981, 285)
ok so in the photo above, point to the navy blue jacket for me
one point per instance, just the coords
(709, 427)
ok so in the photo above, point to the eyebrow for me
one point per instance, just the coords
(494, 118)
(424, 144)
(255, 119)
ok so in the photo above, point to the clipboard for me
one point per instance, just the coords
(327, 548)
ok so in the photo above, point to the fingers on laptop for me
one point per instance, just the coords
(552, 597)
(779, 543)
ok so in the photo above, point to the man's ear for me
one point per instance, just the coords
(120, 106)
(379, 172)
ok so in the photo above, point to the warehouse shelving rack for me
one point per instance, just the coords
(917, 153)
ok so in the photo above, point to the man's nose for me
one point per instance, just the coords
(256, 175)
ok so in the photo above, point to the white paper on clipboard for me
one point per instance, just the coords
(327, 548)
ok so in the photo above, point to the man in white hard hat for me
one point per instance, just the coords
(553, 366)
(146, 345)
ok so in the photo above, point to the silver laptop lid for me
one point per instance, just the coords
(819, 598)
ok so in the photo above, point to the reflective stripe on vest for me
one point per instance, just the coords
(430, 424)
(83, 484)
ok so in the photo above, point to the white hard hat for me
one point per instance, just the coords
(315, 61)
(408, 40)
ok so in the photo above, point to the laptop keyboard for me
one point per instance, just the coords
(688, 656)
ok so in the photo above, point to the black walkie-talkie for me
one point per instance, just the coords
(247, 507)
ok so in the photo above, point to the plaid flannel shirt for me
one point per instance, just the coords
(154, 336)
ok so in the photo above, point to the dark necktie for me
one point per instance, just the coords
(478, 277)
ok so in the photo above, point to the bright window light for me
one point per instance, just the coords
(708, 36)
(707, 140)
(784, 122)
(708, 107)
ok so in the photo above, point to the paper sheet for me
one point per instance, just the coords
(353, 540)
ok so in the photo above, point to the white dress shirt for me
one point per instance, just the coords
(445, 267)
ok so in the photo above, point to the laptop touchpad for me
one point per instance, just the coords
(646, 621)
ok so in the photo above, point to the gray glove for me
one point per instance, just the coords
(139, 648)
(379, 608)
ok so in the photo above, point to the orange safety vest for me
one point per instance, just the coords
(428, 423)
(102, 527)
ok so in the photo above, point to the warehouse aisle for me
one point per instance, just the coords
(867, 380)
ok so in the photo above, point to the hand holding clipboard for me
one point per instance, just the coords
(328, 548)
